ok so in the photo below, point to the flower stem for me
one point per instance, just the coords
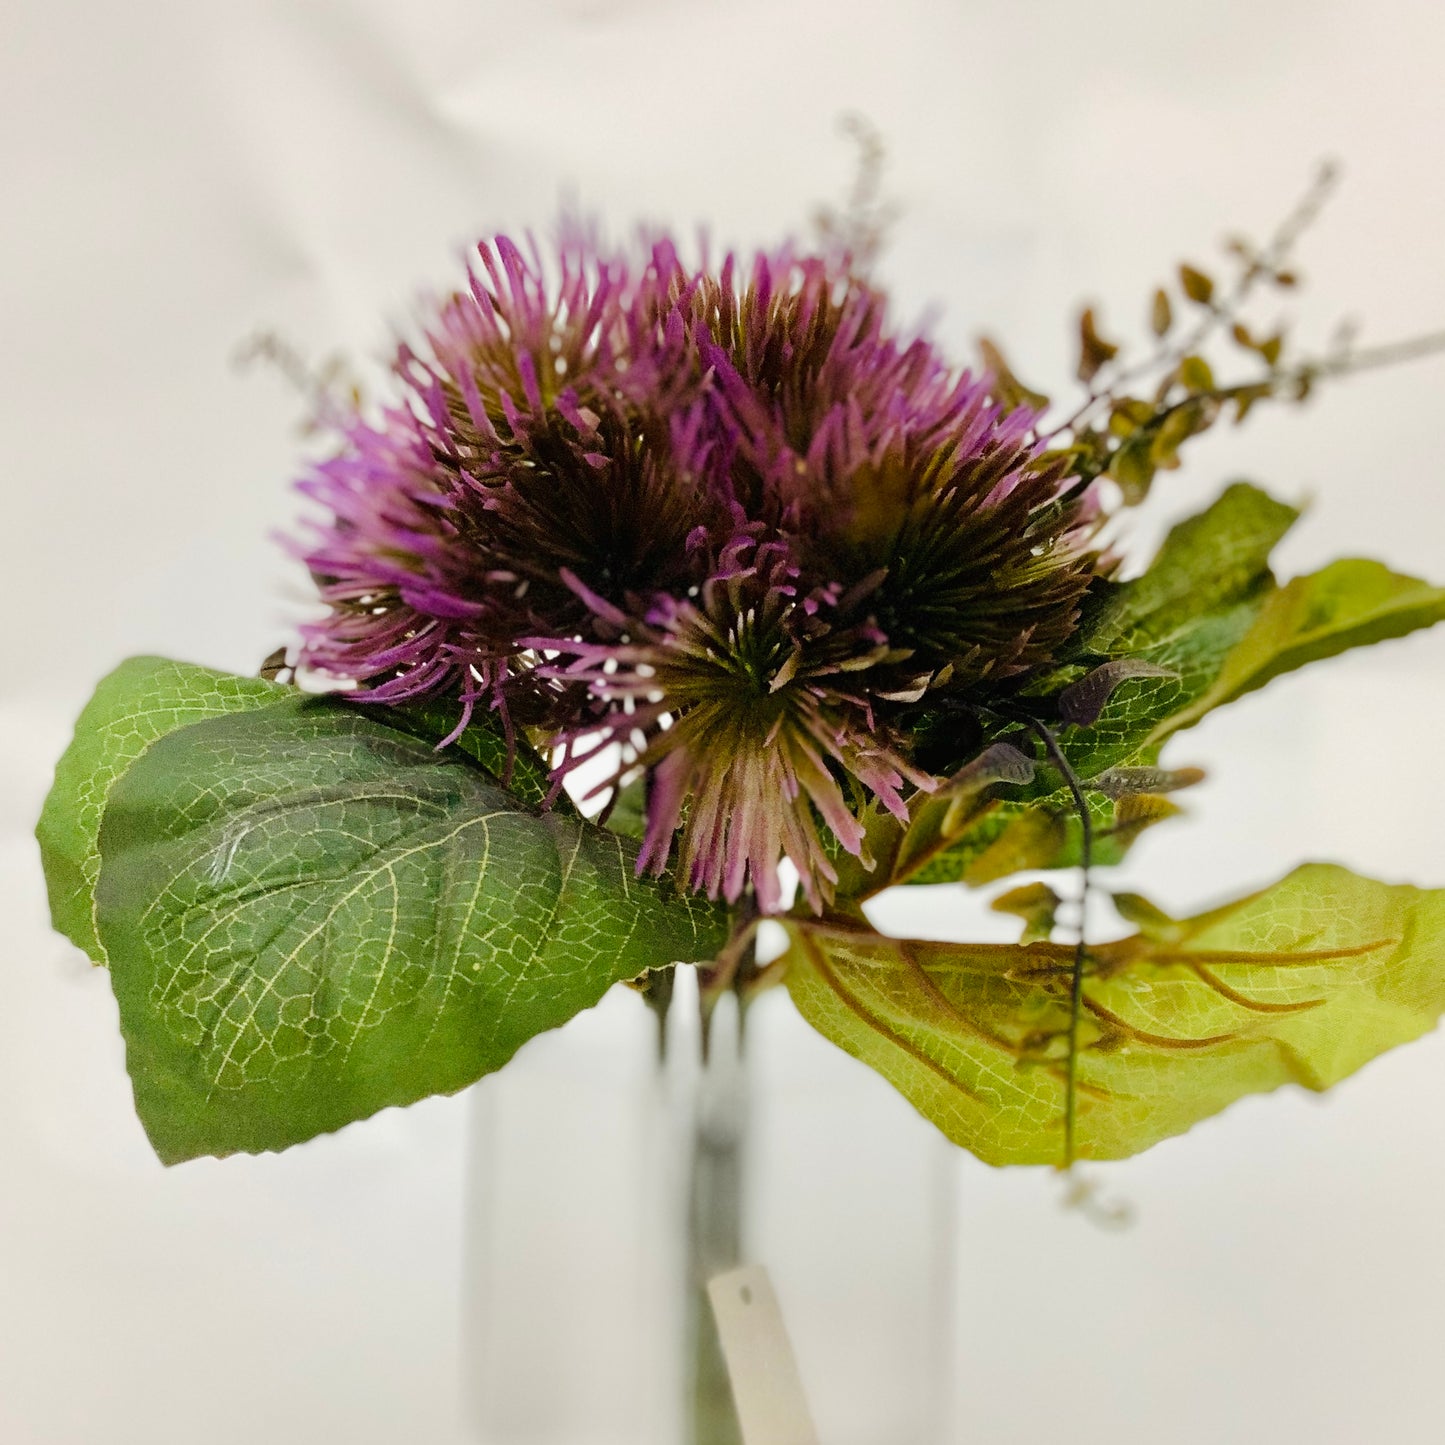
(1081, 947)
(715, 1206)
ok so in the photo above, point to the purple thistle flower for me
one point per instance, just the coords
(731, 522)
(741, 706)
(894, 477)
(514, 488)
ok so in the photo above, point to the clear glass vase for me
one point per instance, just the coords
(611, 1177)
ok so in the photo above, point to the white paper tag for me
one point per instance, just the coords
(766, 1389)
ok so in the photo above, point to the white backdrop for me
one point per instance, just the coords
(177, 174)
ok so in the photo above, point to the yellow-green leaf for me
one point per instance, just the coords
(1009, 836)
(1127, 414)
(1161, 314)
(1350, 603)
(1301, 983)
(893, 853)
(1029, 838)
(1132, 468)
(1195, 373)
(1036, 903)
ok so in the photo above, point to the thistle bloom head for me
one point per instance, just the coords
(728, 521)
(512, 489)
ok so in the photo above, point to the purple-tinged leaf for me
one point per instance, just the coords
(1083, 701)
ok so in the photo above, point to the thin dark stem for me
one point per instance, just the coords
(1081, 949)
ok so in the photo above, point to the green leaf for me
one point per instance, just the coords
(142, 700)
(1208, 561)
(1198, 287)
(1350, 603)
(1209, 611)
(1016, 836)
(312, 915)
(1008, 389)
(629, 810)
(1094, 351)
(1036, 903)
(1205, 624)
(1132, 468)
(1186, 614)
(517, 766)
(893, 854)
(1183, 617)
(1301, 983)
(1161, 314)
(1195, 374)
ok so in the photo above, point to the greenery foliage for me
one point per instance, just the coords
(1301, 983)
(310, 913)
(313, 909)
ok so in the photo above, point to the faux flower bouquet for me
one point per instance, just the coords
(815, 605)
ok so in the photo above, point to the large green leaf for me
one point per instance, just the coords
(142, 700)
(1301, 983)
(312, 915)
(147, 697)
(1207, 562)
(1350, 603)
